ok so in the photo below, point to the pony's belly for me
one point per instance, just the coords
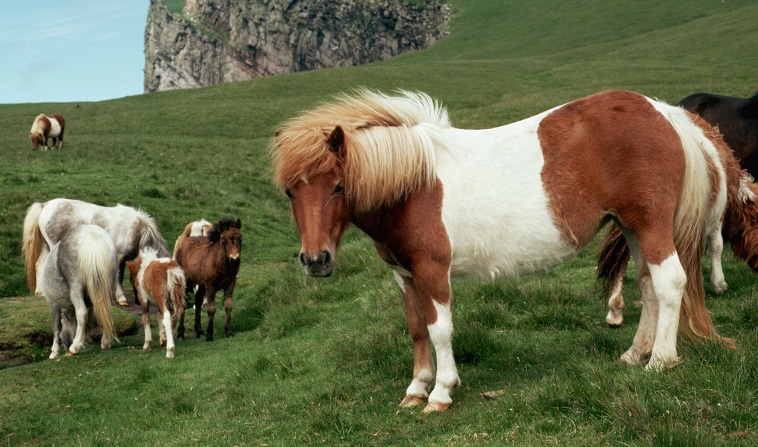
(491, 258)
(55, 128)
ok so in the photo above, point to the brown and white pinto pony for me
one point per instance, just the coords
(737, 120)
(45, 127)
(159, 281)
(440, 201)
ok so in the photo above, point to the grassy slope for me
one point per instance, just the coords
(325, 361)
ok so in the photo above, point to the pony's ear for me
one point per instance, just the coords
(277, 133)
(238, 224)
(336, 141)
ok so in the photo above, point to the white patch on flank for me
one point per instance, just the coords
(495, 207)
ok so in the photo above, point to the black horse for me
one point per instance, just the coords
(737, 120)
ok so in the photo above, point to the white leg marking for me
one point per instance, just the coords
(615, 315)
(441, 334)
(146, 327)
(669, 280)
(645, 335)
(716, 247)
(168, 334)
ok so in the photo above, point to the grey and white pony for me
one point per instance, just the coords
(47, 223)
(80, 273)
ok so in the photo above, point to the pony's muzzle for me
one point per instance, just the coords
(320, 265)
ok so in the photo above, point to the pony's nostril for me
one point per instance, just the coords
(326, 258)
(302, 258)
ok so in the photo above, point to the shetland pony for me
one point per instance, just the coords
(80, 272)
(737, 120)
(440, 201)
(46, 223)
(45, 127)
(212, 264)
(159, 281)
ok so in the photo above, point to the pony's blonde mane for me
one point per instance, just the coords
(389, 149)
(35, 130)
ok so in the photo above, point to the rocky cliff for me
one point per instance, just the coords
(216, 41)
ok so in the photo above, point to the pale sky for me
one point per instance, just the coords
(71, 50)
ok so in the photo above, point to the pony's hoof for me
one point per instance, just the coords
(146, 347)
(70, 354)
(122, 301)
(209, 338)
(434, 407)
(720, 288)
(412, 401)
(53, 355)
(663, 364)
(614, 318)
(169, 354)
(105, 346)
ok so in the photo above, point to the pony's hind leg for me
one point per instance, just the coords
(168, 334)
(662, 281)
(120, 297)
(423, 363)
(615, 317)
(669, 280)
(56, 311)
(716, 248)
(81, 320)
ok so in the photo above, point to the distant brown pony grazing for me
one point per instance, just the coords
(439, 201)
(159, 281)
(212, 264)
(737, 120)
(45, 127)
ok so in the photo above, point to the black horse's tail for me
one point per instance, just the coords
(613, 257)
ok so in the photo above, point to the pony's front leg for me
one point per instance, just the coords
(56, 311)
(432, 280)
(228, 309)
(423, 364)
(146, 325)
(120, 297)
(211, 294)
(199, 294)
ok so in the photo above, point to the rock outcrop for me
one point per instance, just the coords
(217, 41)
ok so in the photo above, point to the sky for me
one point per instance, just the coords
(71, 50)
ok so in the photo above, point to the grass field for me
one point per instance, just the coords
(326, 361)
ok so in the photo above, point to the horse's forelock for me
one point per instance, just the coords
(387, 154)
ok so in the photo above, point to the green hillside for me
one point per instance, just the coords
(326, 361)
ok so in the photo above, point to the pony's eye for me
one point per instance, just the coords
(338, 189)
(288, 192)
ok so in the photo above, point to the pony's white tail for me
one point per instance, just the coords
(97, 264)
(30, 245)
(176, 284)
(696, 211)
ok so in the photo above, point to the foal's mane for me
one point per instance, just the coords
(214, 235)
(389, 148)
